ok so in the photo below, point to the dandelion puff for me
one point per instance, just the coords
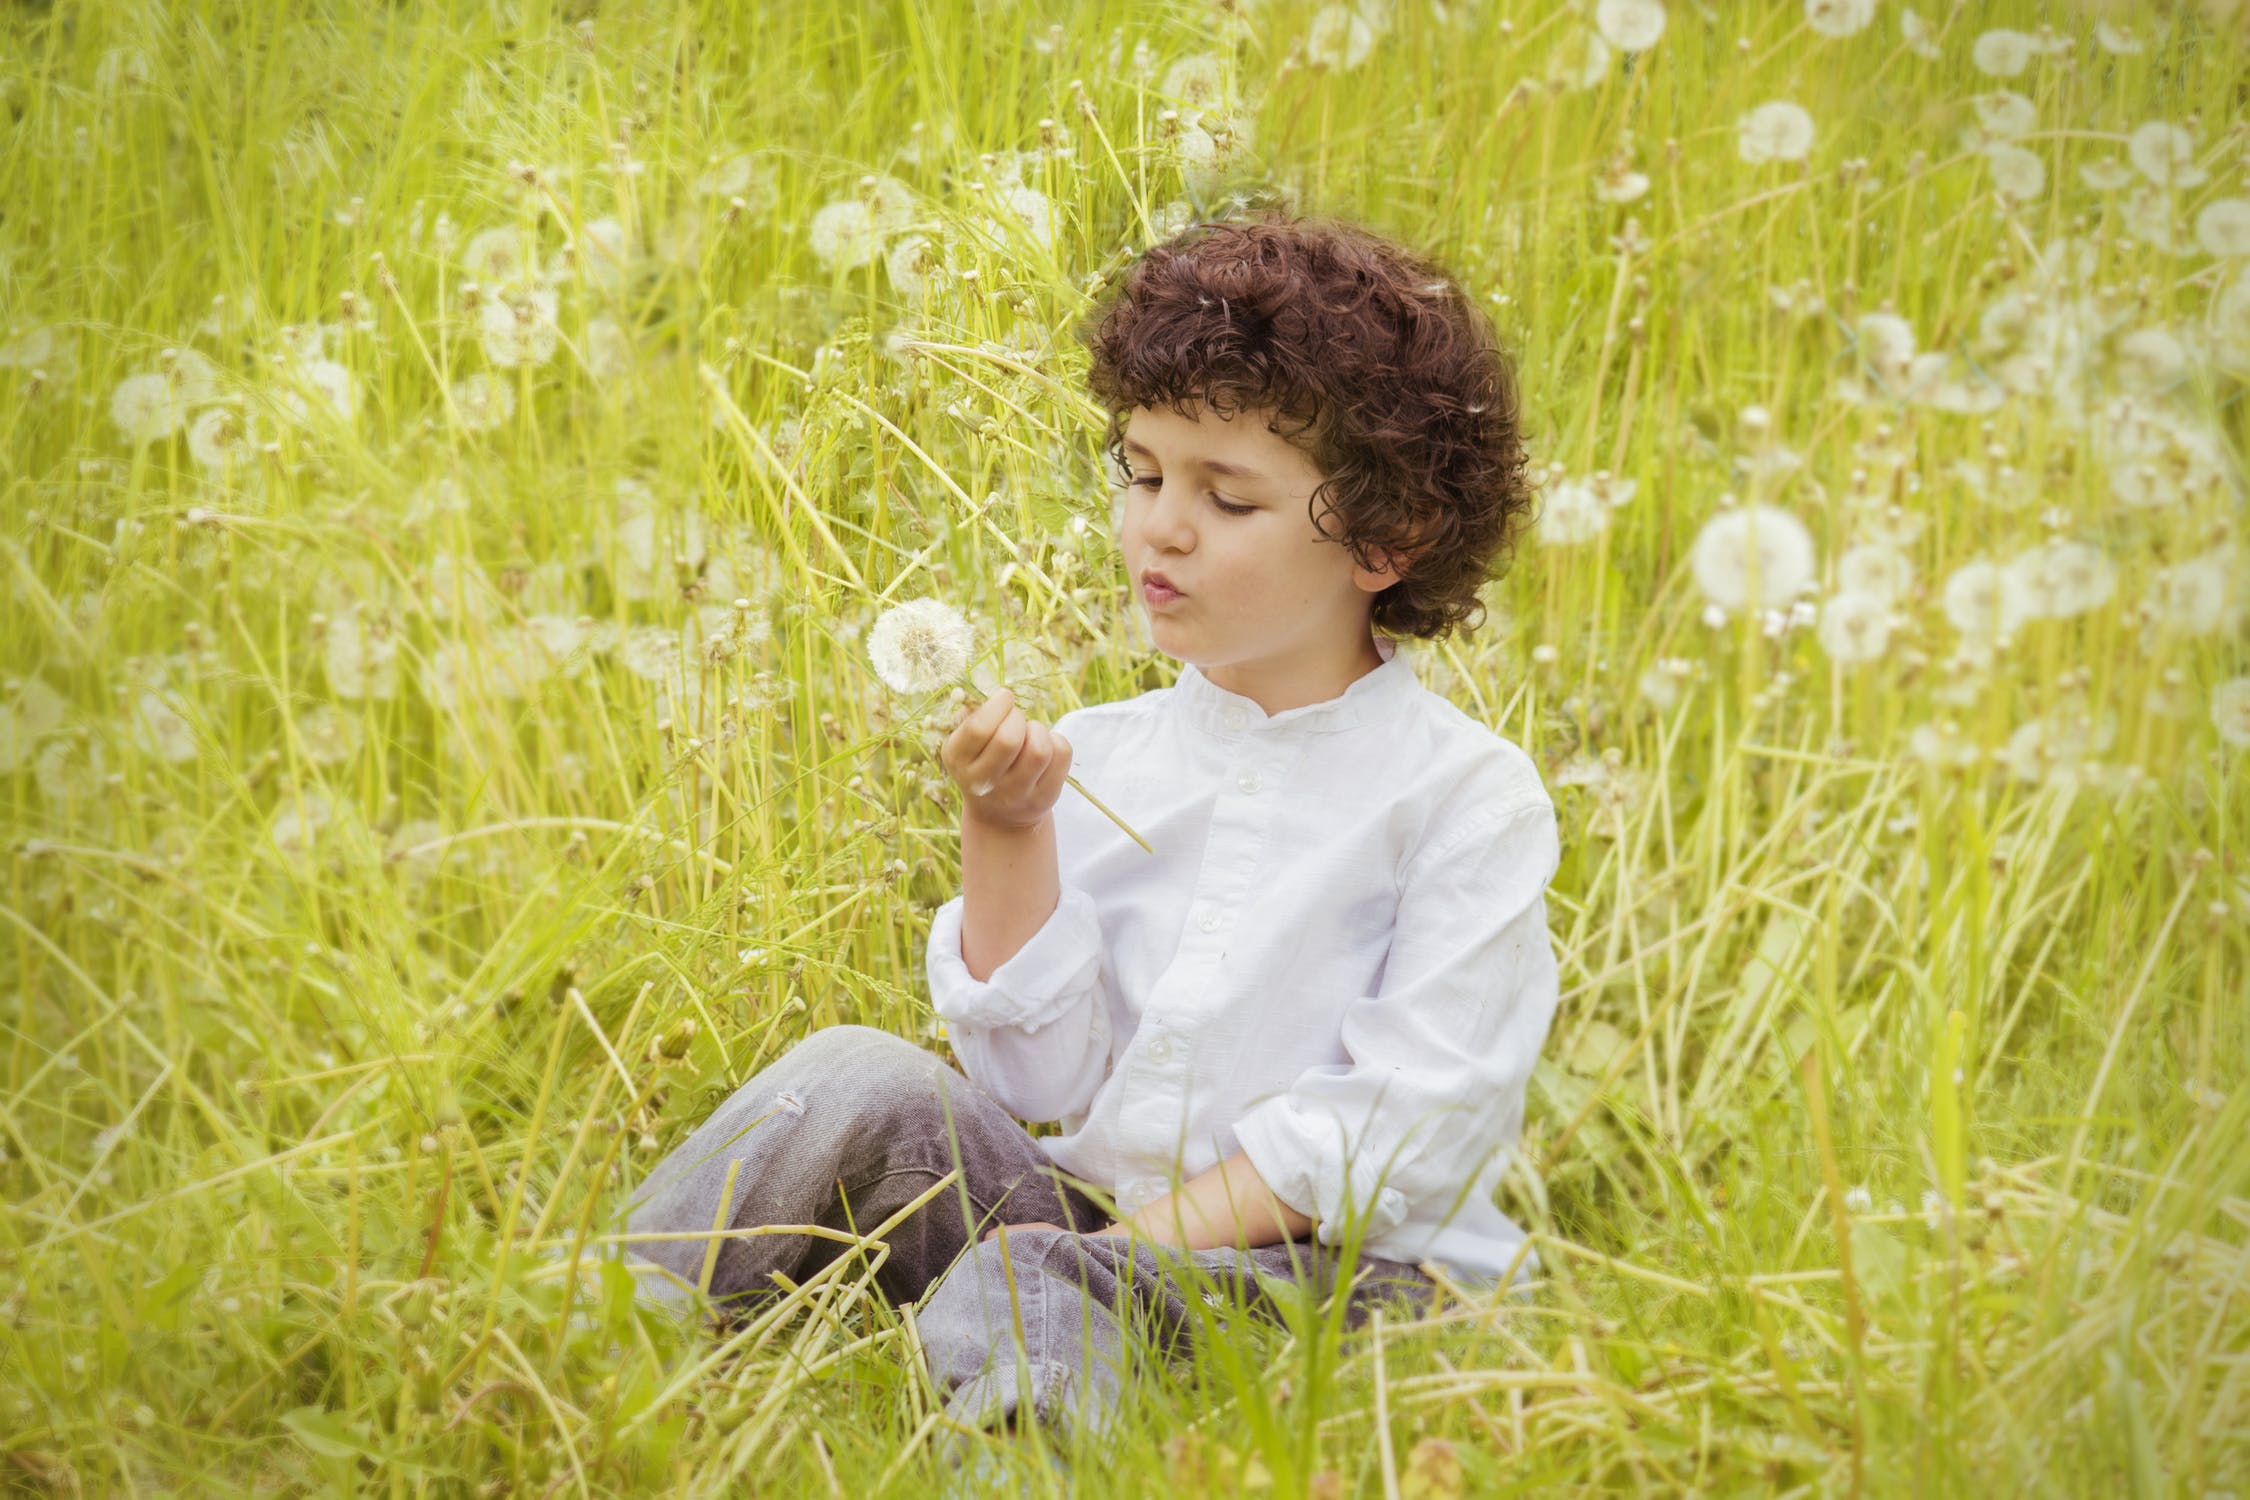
(2230, 322)
(1854, 627)
(331, 736)
(2062, 577)
(221, 438)
(2054, 747)
(443, 672)
(2230, 711)
(920, 646)
(1839, 18)
(563, 639)
(2192, 597)
(2016, 173)
(66, 770)
(360, 663)
(35, 712)
(2116, 40)
(1775, 131)
(2106, 175)
(1886, 341)
(843, 235)
(1752, 557)
(1339, 38)
(1199, 79)
(1630, 25)
(910, 262)
(608, 350)
(195, 380)
(163, 730)
(498, 256)
(1983, 600)
(2222, 227)
(484, 401)
(299, 821)
(1872, 568)
(1572, 513)
(334, 384)
(651, 652)
(2004, 53)
(2165, 155)
(1031, 210)
(2150, 219)
(459, 589)
(601, 259)
(1619, 183)
(2004, 113)
(41, 348)
(519, 328)
(891, 204)
(145, 409)
(1859, 1201)
(1941, 745)
(1920, 39)
(2149, 360)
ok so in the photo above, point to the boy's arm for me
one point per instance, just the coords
(1228, 1205)
(1015, 967)
(1010, 885)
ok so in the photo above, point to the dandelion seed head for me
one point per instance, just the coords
(1775, 131)
(1630, 25)
(2004, 53)
(2230, 711)
(920, 645)
(1339, 38)
(2165, 154)
(1752, 557)
(1839, 18)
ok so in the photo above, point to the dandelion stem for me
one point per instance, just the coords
(1113, 817)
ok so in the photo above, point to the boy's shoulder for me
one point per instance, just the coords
(1471, 764)
(1111, 712)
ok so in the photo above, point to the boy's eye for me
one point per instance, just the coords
(1156, 481)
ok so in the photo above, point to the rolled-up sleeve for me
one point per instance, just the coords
(1035, 1034)
(1441, 1055)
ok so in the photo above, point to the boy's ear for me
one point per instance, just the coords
(1389, 565)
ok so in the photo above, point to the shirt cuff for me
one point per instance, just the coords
(1051, 974)
(1302, 1159)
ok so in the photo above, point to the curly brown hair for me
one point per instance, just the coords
(1397, 385)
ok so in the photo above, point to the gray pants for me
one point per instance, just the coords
(852, 1124)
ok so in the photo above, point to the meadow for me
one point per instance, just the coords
(456, 451)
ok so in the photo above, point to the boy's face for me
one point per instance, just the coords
(1268, 607)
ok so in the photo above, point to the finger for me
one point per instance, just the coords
(1051, 779)
(992, 762)
(978, 723)
(1031, 756)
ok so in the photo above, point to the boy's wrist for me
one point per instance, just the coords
(986, 823)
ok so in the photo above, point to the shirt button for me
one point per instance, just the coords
(1210, 921)
(1237, 716)
(1249, 781)
(1161, 1048)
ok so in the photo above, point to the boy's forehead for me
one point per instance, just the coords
(1242, 437)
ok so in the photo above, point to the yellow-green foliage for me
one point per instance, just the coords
(455, 451)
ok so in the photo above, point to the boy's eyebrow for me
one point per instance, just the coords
(1215, 465)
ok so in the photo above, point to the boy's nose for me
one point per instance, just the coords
(1168, 518)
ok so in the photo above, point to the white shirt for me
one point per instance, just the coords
(1337, 958)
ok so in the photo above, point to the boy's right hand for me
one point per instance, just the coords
(1010, 768)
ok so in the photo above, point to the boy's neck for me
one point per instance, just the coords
(1279, 686)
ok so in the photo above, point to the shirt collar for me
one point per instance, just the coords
(1213, 707)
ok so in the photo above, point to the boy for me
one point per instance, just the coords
(1304, 1025)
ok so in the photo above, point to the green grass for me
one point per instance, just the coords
(1890, 1135)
